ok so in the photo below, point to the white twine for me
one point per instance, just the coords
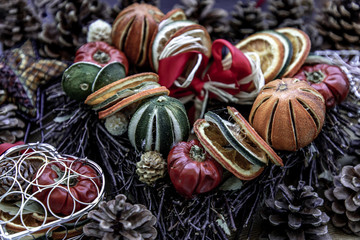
(17, 155)
(242, 97)
(256, 76)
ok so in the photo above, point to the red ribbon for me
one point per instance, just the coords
(171, 68)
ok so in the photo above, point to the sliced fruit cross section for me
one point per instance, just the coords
(301, 47)
(269, 49)
(111, 89)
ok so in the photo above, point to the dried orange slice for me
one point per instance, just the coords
(301, 47)
(176, 14)
(133, 99)
(161, 38)
(111, 89)
(30, 220)
(235, 145)
(219, 148)
(250, 139)
(189, 38)
(288, 51)
(270, 50)
(125, 93)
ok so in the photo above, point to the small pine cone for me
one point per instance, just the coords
(296, 215)
(280, 10)
(344, 199)
(246, 20)
(8, 172)
(202, 12)
(339, 24)
(151, 167)
(117, 219)
(11, 126)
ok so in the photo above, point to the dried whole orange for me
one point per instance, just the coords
(132, 31)
(288, 114)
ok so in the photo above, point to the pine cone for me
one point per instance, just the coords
(280, 10)
(339, 24)
(247, 19)
(117, 219)
(69, 29)
(296, 215)
(202, 12)
(315, 38)
(121, 4)
(21, 73)
(151, 167)
(18, 22)
(11, 127)
(344, 197)
(9, 172)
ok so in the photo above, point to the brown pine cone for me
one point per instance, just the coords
(68, 30)
(247, 19)
(204, 13)
(10, 170)
(11, 126)
(151, 167)
(18, 22)
(281, 10)
(121, 4)
(296, 215)
(344, 199)
(339, 24)
(313, 33)
(118, 219)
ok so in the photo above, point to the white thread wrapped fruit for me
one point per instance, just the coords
(158, 124)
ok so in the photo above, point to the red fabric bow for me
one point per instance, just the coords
(171, 68)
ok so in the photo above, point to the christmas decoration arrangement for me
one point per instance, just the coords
(200, 123)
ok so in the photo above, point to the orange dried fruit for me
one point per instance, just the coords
(160, 39)
(30, 220)
(132, 31)
(176, 14)
(301, 44)
(270, 50)
(219, 148)
(134, 99)
(111, 89)
(125, 93)
(190, 38)
(235, 145)
(288, 114)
